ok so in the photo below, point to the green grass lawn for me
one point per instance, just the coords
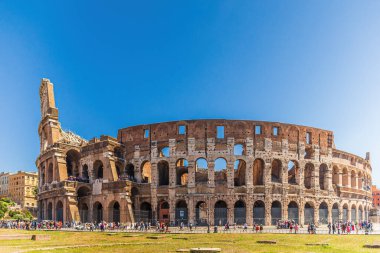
(128, 242)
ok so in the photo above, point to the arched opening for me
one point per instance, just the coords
(345, 177)
(258, 172)
(42, 176)
(353, 213)
(309, 175)
(345, 213)
(83, 212)
(201, 218)
(182, 171)
(163, 173)
(220, 213)
(118, 152)
(119, 171)
(335, 179)
(146, 172)
(238, 149)
(309, 213)
(164, 152)
(276, 212)
(276, 171)
(42, 210)
(335, 213)
(145, 214)
(98, 169)
(163, 211)
(181, 214)
(353, 179)
(59, 211)
(130, 171)
(360, 213)
(72, 163)
(114, 212)
(323, 176)
(50, 173)
(323, 213)
(293, 172)
(239, 212)
(293, 212)
(201, 171)
(360, 180)
(50, 211)
(259, 212)
(239, 172)
(97, 212)
(85, 173)
(220, 171)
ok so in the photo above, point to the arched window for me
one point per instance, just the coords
(130, 171)
(335, 178)
(309, 175)
(85, 172)
(258, 172)
(238, 149)
(182, 171)
(146, 172)
(345, 177)
(201, 171)
(220, 171)
(353, 179)
(98, 169)
(293, 172)
(164, 152)
(276, 171)
(163, 173)
(72, 163)
(323, 176)
(239, 212)
(50, 173)
(240, 168)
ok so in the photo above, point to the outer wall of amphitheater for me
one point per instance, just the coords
(200, 171)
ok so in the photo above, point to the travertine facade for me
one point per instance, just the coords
(199, 171)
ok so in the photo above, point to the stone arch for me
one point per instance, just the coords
(145, 214)
(182, 171)
(50, 211)
(323, 213)
(220, 213)
(83, 212)
(309, 175)
(335, 212)
(163, 173)
(335, 177)
(72, 163)
(85, 175)
(259, 212)
(293, 172)
(238, 149)
(130, 171)
(50, 173)
(240, 168)
(59, 211)
(164, 152)
(181, 212)
(323, 171)
(293, 211)
(98, 169)
(97, 212)
(220, 170)
(360, 213)
(276, 212)
(201, 216)
(114, 211)
(360, 180)
(309, 213)
(353, 179)
(239, 212)
(258, 172)
(353, 213)
(345, 212)
(163, 211)
(201, 170)
(146, 172)
(276, 171)
(42, 177)
(345, 177)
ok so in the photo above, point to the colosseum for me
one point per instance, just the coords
(198, 171)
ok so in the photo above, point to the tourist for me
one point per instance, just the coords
(329, 226)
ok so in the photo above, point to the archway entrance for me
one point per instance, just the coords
(163, 212)
(259, 212)
(335, 213)
(181, 214)
(114, 212)
(309, 214)
(97, 212)
(201, 214)
(293, 212)
(239, 212)
(83, 212)
(220, 213)
(323, 213)
(50, 211)
(276, 212)
(345, 213)
(145, 214)
(59, 211)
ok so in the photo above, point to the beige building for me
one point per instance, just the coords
(199, 171)
(20, 188)
(4, 184)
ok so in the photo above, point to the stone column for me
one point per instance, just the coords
(315, 179)
(230, 174)
(268, 215)
(191, 175)
(328, 179)
(329, 214)
(211, 175)
(249, 211)
(348, 213)
(349, 179)
(356, 182)
(230, 212)
(191, 210)
(301, 213)
(172, 174)
(340, 178)
(316, 215)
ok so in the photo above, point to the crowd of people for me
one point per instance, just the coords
(338, 227)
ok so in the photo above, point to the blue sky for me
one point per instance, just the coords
(121, 63)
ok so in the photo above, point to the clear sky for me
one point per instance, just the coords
(121, 63)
